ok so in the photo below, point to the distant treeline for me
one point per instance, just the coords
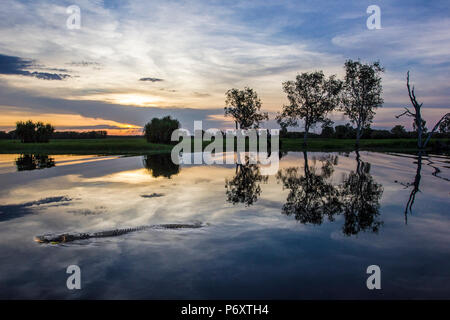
(100, 134)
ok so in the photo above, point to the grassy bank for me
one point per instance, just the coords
(85, 146)
(140, 146)
(382, 145)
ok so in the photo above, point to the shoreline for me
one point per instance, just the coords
(127, 146)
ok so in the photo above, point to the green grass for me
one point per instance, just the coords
(85, 146)
(384, 145)
(140, 146)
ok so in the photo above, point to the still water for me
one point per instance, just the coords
(308, 232)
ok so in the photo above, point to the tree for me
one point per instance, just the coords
(327, 129)
(33, 132)
(345, 132)
(4, 135)
(43, 132)
(361, 94)
(160, 130)
(95, 134)
(244, 106)
(399, 131)
(25, 131)
(419, 123)
(311, 97)
(283, 129)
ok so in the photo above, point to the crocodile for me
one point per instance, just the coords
(70, 237)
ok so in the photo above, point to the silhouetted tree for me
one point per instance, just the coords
(283, 129)
(311, 197)
(360, 197)
(4, 135)
(245, 186)
(311, 97)
(244, 106)
(161, 165)
(34, 161)
(399, 131)
(419, 123)
(345, 132)
(160, 130)
(381, 134)
(361, 94)
(33, 132)
(94, 134)
(327, 129)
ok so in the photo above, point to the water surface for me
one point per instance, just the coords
(308, 232)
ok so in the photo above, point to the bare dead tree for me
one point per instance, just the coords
(419, 123)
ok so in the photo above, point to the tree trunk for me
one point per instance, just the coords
(305, 157)
(358, 135)
(419, 130)
(305, 136)
(358, 161)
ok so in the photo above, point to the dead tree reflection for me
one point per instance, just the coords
(415, 187)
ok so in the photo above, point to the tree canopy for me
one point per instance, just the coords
(33, 132)
(362, 93)
(245, 108)
(160, 130)
(311, 97)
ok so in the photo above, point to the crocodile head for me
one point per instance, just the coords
(50, 238)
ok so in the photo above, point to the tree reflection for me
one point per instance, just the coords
(311, 197)
(33, 162)
(416, 183)
(360, 197)
(245, 187)
(161, 165)
(415, 187)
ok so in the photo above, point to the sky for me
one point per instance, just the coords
(131, 61)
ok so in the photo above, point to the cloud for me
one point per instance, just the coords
(151, 79)
(422, 42)
(201, 95)
(84, 63)
(96, 127)
(16, 103)
(12, 65)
